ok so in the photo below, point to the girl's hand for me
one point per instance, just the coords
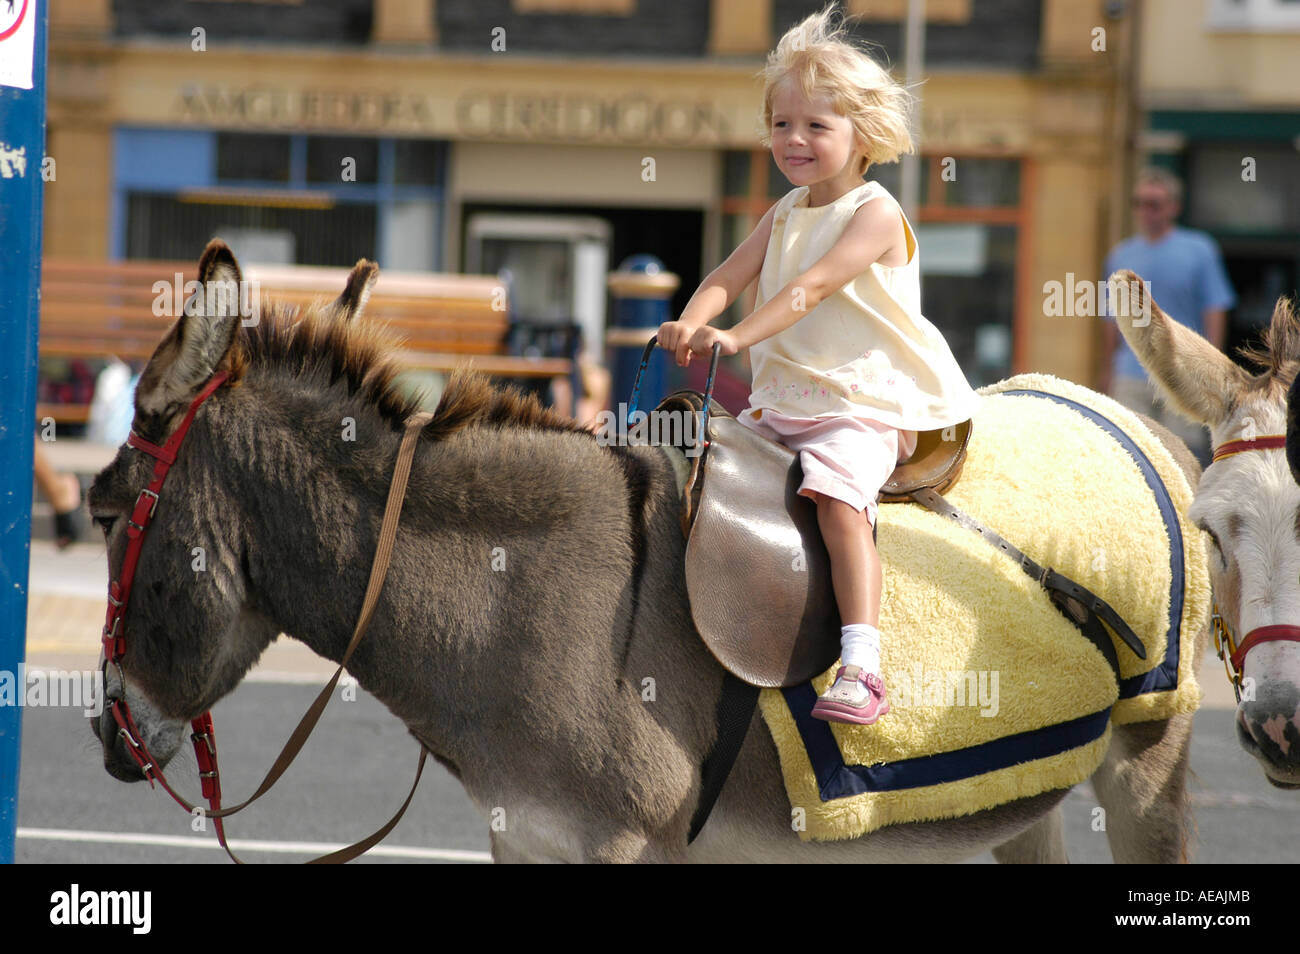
(703, 340)
(675, 337)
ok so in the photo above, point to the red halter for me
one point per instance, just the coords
(205, 746)
(1223, 640)
(114, 636)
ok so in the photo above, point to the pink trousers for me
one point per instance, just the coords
(848, 458)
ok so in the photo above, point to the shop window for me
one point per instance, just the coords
(968, 285)
(254, 157)
(777, 184)
(1244, 187)
(936, 11)
(417, 162)
(171, 228)
(621, 8)
(331, 158)
(890, 175)
(986, 183)
(735, 173)
(1253, 16)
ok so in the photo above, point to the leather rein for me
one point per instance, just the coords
(1230, 653)
(203, 737)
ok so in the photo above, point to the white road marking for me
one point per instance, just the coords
(245, 844)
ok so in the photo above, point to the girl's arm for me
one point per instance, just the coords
(723, 286)
(875, 229)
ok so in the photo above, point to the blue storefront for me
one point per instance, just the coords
(278, 198)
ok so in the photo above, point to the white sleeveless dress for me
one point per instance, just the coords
(865, 351)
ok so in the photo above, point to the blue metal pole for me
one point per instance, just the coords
(22, 149)
(642, 292)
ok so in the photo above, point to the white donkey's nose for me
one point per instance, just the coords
(1272, 721)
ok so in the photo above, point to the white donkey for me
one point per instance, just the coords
(1248, 502)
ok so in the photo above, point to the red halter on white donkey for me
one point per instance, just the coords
(1233, 662)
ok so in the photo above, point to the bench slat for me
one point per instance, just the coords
(104, 309)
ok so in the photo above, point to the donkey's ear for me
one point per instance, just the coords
(199, 340)
(350, 305)
(1199, 380)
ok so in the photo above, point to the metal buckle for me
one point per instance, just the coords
(206, 739)
(146, 492)
(154, 505)
(1226, 647)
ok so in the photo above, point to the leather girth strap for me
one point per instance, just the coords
(1079, 605)
(735, 712)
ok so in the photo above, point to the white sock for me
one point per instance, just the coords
(860, 646)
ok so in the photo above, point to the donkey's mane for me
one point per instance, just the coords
(1280, 353)
(360, 352)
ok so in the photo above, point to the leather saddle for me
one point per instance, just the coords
(749, 531)
(744, 519)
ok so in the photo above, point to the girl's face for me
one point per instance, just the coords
(811, 142)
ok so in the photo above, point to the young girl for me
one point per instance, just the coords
(845, 368)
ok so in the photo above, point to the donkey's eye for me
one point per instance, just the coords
(1214, 539)
(104, 521)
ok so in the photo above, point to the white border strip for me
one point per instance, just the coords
(246, 844)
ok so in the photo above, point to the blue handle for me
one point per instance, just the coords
(708, 384)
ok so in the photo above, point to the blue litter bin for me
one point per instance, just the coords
(642, 292)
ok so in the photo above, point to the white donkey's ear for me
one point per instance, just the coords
(199, 340)
(350, 305)
(1199, 380)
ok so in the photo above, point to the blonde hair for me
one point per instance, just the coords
(819, 56)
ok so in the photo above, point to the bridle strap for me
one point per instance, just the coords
(378, 571)
(1267, 442)
(119, 590)
(203, 735)
(1264, 634)
(1223, 639)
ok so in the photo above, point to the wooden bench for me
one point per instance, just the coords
(97, 310)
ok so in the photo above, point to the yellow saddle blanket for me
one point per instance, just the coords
(995, 695)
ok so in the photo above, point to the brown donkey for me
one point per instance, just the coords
(536, 580)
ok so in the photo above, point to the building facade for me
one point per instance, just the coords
(428, 133)
(1220, 101)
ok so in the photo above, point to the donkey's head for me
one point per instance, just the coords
(1248, 503)
(192, 630)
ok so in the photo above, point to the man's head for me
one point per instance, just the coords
(1157, 200)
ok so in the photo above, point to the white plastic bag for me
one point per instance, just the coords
(113, 407)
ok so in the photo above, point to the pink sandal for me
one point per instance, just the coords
(856, 697)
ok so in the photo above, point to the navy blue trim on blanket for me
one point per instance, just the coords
(837, 780)
(1163, 678)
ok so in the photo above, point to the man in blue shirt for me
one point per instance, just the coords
(1185, 274)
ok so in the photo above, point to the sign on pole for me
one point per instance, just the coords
(22, 148)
